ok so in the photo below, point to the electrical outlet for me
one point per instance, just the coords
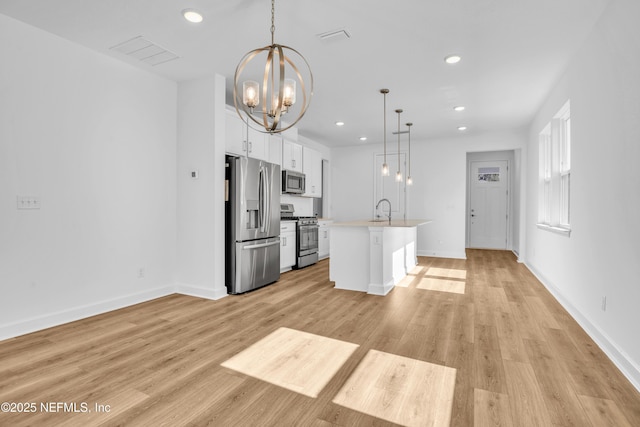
(604, 304)
(141, 273)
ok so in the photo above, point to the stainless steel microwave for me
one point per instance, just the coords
(292, 182)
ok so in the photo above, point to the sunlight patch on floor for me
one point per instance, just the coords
(442, 285)
(449, 273)
(401, 390)
(295, 360)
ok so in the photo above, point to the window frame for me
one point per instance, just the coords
(554, 176)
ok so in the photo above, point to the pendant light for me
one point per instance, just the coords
(409, 180)
(398, 173)
(278, 92)
(385, 166)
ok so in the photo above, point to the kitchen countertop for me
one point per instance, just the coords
(382, 223)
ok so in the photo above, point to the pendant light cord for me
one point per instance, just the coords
(384, 135)
(399, 140)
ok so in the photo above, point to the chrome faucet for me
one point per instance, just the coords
(385, 200)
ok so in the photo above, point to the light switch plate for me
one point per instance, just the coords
(28, 202)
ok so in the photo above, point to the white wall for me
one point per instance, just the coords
(438, 169)
(94, 139)
(602, 255)
(201, 147)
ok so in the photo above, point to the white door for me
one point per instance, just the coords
(488, 204)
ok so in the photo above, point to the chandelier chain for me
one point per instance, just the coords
(273, 25)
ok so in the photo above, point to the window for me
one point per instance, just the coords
(555, 173)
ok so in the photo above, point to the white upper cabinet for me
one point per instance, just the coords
(234, 128)
(242, 140)
(291, 155)
(275, 148)
(312, 162)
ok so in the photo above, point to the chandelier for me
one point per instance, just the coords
(265, 105)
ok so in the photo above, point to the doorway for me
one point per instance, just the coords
(489, 200)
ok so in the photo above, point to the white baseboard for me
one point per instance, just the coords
(195, 291)
(627, 366)
(380, 289)
(34, 324)
(440, 254)
(520, 260)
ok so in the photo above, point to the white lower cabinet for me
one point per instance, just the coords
(287, 245)
(324, 235)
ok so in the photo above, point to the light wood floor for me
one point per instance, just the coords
(520, 358)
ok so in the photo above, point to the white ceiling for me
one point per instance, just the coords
(513, 52)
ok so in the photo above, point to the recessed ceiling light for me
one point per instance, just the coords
(458, 108)
(363, 138)
(339, 123)
(462, 128)
(452, 59)
(192, 15)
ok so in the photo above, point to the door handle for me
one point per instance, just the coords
(262, 245)
(472, 215)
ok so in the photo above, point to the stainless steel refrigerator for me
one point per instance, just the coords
(252, 223)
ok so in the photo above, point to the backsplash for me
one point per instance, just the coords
(302, 205)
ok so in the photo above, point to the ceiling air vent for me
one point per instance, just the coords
(145, 51)
(335, 36)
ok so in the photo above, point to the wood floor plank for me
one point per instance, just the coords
(509, 339)
(489, 370)
(559, 396)
(525, 395)
(603, 412)
(491, 409)
(159, 363)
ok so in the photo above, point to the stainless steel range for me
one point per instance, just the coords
(306, 236)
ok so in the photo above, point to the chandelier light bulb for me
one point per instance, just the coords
(409, 180)
(385, 169)
(289, 92)
(250, 90)
(398, 176)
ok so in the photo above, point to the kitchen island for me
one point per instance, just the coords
(372, 256)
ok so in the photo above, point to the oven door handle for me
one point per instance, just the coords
(310, 226)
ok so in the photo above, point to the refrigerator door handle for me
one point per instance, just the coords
(264, 202)
(261, 200)
(262, 245)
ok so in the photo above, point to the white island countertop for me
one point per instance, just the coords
(382, 223)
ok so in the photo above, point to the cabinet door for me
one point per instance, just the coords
(274, 145)
(256, 144)
(287, 249)
(296, 154)
(312, 161)
(235, 141)
(323, 241)
(291, 156)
